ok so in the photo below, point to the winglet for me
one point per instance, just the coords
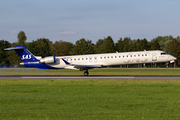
(67, 63)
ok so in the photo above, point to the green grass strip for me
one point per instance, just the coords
(103, 71)
(89, 99)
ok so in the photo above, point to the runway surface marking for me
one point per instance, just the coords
(77, 77)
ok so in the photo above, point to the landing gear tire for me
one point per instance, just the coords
(86, 73)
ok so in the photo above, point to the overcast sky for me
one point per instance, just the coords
(71, 20)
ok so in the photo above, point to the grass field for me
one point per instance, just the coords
(103, 71)
(89, 99)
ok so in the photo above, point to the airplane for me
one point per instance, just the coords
(90, 61)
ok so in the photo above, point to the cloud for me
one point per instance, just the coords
(66, 33)
(13, 32)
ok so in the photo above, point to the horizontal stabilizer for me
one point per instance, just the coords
(15, 48)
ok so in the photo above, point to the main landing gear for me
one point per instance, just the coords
(86, 73)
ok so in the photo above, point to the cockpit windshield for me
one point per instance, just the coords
(164, 53)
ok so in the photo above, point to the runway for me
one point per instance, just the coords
(104, 77)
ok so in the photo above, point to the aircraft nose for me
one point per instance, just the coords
(172, 58)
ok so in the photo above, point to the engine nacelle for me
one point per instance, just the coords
(48, 60)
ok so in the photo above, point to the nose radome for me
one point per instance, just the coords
(173, 58)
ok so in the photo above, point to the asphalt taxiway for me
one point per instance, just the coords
(104, 77)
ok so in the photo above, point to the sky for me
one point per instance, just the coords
(71, 20)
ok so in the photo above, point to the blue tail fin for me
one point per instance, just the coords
(23, 53)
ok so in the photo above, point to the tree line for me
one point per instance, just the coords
(44, 47)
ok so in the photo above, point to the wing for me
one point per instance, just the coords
(83, 67)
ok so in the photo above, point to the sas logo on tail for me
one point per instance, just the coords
(26, 57)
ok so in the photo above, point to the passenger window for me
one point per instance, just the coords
(131, 55)
(104, 57)
(119, 56)
(100, 57)
(127, 55)
(82, 58)
(78, 58)
(115, 56)
(111, 56)
(86, 58)
(134, 55)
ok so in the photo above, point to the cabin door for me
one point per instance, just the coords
(154, 57)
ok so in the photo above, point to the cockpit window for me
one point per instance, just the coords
(164, 54)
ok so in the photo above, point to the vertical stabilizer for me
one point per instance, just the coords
(24, 53)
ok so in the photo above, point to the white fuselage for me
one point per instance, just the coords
(109, 59)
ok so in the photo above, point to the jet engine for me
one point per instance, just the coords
(48, 60)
